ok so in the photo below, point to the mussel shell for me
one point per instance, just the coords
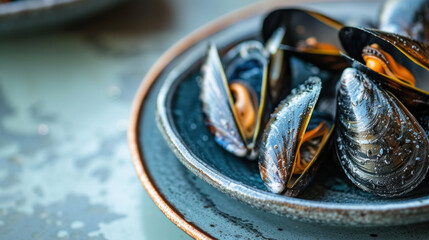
(354, 39)
(410, 53)
(246, 63)
(215, 97)
(407, 18)
(301, 24)
(282, 136)
(381, 146)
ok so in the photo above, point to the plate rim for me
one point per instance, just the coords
(146, 85)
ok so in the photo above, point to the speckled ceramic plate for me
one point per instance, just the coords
(196, 207)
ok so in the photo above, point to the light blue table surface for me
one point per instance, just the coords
(65, 97)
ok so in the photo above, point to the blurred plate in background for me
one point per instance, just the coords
(29, 15)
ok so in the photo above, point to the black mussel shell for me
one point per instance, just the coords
(412, 54)
(381, 146)
(284, 134)
(246, 66)
(302, 24)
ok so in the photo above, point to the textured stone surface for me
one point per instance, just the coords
(65, 95)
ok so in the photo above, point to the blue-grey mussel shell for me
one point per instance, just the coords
(381, 146)
(283, 136)
(216, 107)
(248, 63)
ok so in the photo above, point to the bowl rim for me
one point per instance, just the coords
(184, 154)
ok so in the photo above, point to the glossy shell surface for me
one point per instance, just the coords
(214, 98)
(236, 122)
(381, 146)
(282, 139)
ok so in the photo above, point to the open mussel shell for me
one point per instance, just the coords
(215, 98)
(283, 137)
(234, 95)
(381, 146)
(303, 25)
(407, 18)
(412, 54)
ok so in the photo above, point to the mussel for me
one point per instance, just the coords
(310, 48)
(234, 93)
(405, 17)
(398, 54)
(381, 146)
(310, 36)
(293, 140)
(382, 129)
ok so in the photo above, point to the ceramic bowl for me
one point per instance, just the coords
(330, 199)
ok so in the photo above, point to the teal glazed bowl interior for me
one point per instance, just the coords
(329, 199)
